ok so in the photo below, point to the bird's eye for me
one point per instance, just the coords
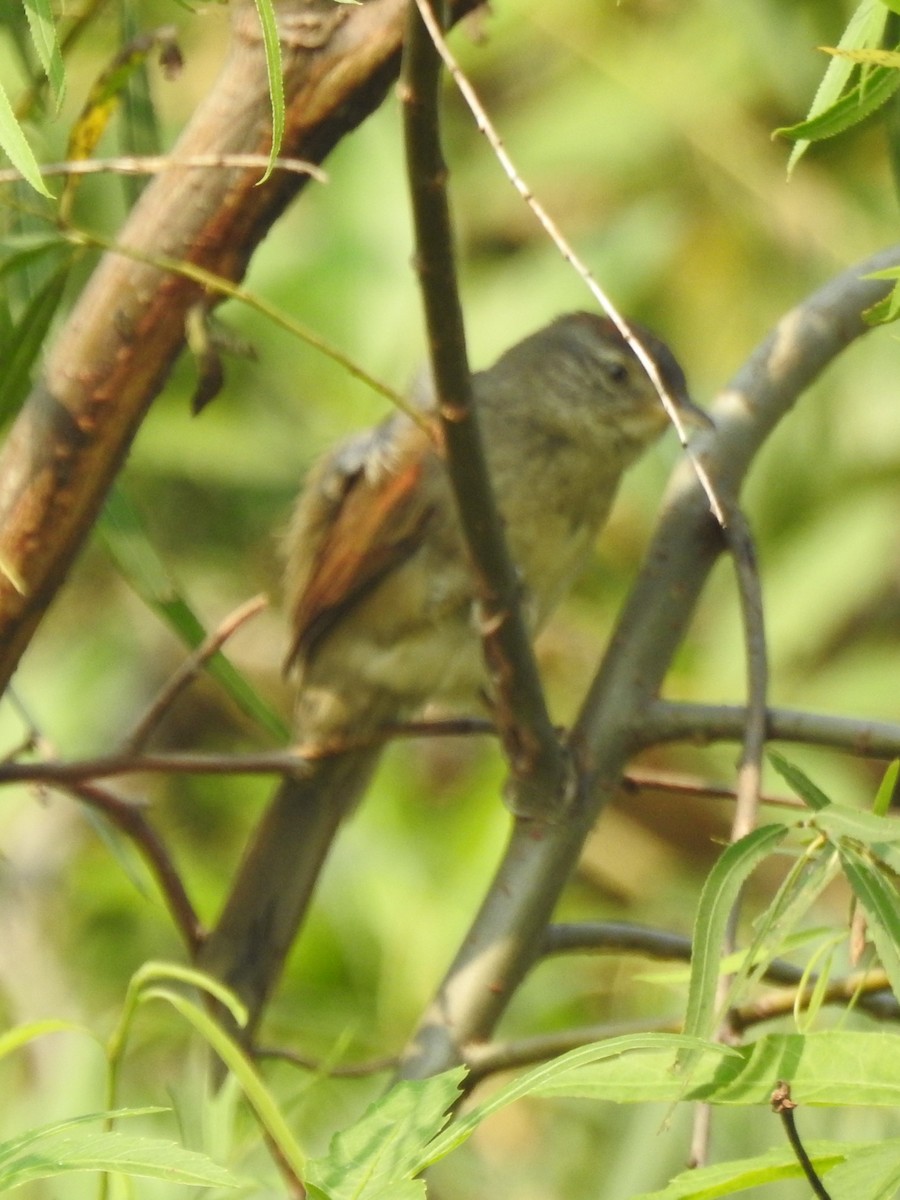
(618, 372)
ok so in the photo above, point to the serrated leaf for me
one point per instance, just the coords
(798, 781)
(65, 1149)
(851, 109)
(865, 28)
(725, 1179)
(556, 1076)
(15, 146)
(870, 1171)
(720, 891)
(383, 1150)
(42, 26)
(827, 1068)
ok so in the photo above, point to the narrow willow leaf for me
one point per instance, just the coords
(831, 1068)
(878, 898)
(29, 332)
(557, 1076)
(42, 25)
(258, 1096)
(879, 58)
(15, 146)
(799, 782)
(728, 1178)
(272, 45)
(21, 1035)
(130, 547)
(865, 28)
(719, 894)
(851, 109)
(64, 1151)
(886, 789)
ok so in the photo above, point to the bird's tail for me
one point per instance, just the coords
(265, 908)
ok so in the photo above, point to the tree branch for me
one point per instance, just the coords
(539, 767)
(118, 345)
(675, 721)
(505, 937)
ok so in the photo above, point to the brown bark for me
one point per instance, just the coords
(115, 351)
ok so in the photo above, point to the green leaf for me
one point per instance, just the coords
(130, 547)
(865, 28)
(799, 890)
(272, 45)
(260, 1099)
(46, 43)
(719, 894)
(63, 1148)
(827, 1068)
(885, 794)
(878, 898)
(16, 148)
(879, 58)
(799, 782)
(557, 1078)
(21, 1035)
(724, 1179)
(851, 109)
(382, 1152)
(871, 1171)
(18, 355)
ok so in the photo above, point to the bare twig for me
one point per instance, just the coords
(784, 1106)
(670, 721)
(486, 127)
(680, 784)
(187, 673)
(319, 1066)
(128, 819)
(153, 164)
(539, 767)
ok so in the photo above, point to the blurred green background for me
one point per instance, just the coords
(645, 128)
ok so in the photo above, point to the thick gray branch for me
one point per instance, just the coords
(506, 936)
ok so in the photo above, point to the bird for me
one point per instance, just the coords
(381, 599)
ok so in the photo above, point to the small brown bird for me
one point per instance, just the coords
(381, 594)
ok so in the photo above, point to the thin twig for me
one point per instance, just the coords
(318, 1066)
(784, 1106)
(671, 721)
(746, 809)
(187, 672)
(869, 990)
(486, 127)
(153, 164)
(129, 820)
(680, 784)
(539, 766)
